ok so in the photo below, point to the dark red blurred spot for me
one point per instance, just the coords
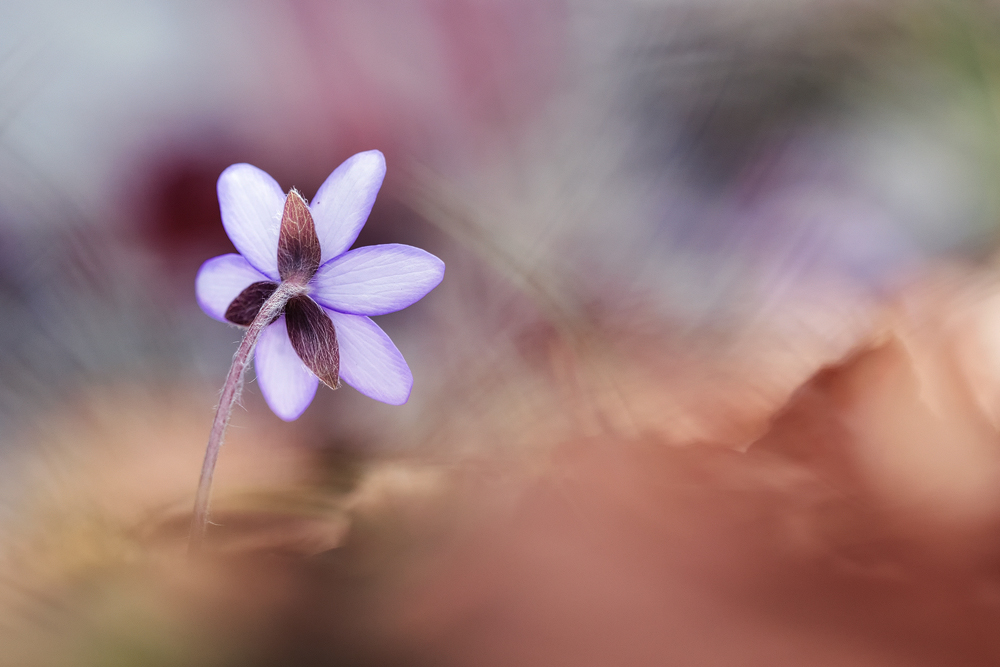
(184, 215)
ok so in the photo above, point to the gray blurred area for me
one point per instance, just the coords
(713, 377)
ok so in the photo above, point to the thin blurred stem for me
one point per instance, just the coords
(230, 394)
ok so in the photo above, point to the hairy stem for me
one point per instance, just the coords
(230, 394)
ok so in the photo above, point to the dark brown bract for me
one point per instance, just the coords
(298, 245)
(249, 302)
(314, 339)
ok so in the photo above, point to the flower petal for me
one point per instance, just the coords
(369, 361)
(341, 207)
(375, 280)
(251, 203)
(288, 386)
(220, 280)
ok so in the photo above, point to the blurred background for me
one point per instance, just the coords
(713, 377)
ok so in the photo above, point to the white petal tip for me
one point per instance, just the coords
(287, 417)
(399, 399)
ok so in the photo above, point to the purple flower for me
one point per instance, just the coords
(323, 333)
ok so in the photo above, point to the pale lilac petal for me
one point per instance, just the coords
(288, 386)
(220, 280)
(341, 207)
(375, 280)
(251, 204)
(369, 361)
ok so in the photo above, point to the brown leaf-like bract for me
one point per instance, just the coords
(314, 339)
(248, 303)
(298, 245)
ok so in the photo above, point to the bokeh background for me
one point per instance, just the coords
(713, 377)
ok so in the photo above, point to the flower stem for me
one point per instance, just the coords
(271, 309)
